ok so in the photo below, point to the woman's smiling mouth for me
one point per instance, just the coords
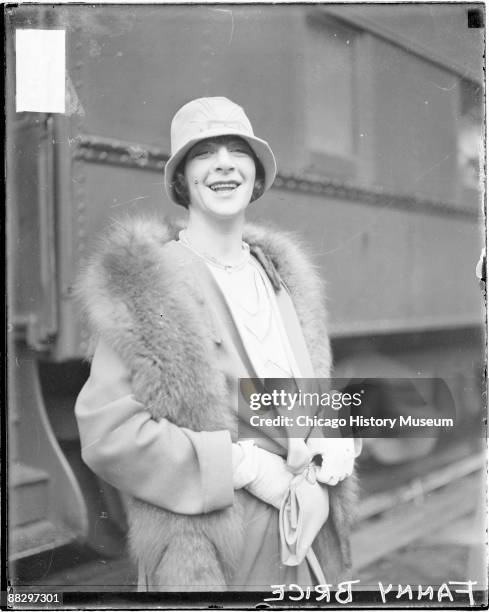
(224, 186)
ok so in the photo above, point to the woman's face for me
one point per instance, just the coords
(220, 174)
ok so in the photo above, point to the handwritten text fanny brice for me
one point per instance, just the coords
(344, 592)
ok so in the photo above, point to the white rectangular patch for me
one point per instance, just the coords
(40, 70)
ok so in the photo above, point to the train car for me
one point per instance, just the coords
(375, 114)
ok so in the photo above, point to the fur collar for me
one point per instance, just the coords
(134, 247)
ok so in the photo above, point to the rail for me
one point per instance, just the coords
(102, 150)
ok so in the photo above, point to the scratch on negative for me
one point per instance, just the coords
(232, 21)
(129, 201)
(431, 168)
(347, 241)
(447, 88)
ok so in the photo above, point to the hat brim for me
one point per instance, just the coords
(260, 147)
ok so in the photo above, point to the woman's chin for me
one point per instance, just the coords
(225, 208)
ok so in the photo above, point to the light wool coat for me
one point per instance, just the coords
(143, 300)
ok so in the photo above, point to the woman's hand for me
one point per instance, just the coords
(338, 456)
(298, 455)
(263, 474)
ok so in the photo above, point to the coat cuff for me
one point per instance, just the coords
(214, 451)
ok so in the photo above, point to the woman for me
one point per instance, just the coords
(177, 319)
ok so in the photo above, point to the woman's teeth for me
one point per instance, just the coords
(223, 186)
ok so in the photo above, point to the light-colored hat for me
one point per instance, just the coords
(209, 118)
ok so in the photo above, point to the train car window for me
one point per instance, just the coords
(330, 91)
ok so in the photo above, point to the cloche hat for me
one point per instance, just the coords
(208, 118)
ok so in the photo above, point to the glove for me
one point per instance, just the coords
(263, 474)
(298, 455)
(338, 455)
(244, 463)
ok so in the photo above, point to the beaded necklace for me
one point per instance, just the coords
(226, 267)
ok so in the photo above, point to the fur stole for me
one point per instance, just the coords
(146, 307)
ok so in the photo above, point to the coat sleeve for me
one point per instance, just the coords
(171, 467)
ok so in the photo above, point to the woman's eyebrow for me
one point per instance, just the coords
(239, 142)
(205, 144)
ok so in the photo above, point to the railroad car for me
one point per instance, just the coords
(375, 114)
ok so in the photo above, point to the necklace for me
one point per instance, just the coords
(215, 262)
(257, 320)
(242, 289)
(258, 327)
(257, 317)
(256, 299)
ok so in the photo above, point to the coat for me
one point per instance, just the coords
(143, 300)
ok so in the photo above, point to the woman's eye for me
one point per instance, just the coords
(202, 153)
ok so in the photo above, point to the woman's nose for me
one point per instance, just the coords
(224, 160)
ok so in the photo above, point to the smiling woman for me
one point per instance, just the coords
(158, 416)
(220, 174)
